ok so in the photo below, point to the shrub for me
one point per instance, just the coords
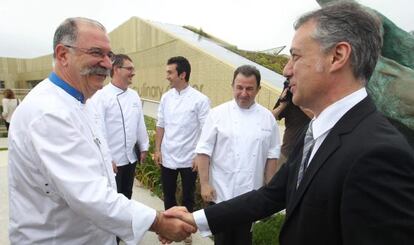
(266, 232)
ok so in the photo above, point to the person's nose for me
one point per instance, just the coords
(107, 62)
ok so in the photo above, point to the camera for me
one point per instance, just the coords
(288, 96)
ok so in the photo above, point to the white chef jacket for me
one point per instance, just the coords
(123, 122)
(182, 115)
(61, 186)
(239, 142)
(9, 105)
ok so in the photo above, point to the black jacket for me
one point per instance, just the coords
(358, 188)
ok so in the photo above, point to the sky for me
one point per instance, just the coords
(27, 26)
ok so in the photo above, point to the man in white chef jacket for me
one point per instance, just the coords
(238, 149)
(123, 122)
(181, 115)
(61, 186)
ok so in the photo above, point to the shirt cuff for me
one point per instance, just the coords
(274, 153)
(142, 219)
(200, 150)
(202, 223)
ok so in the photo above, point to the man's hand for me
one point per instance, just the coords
(157, 158)
(282, 104)
(170, 228)
(194, 167)
(114, 167)
(208, 193)
(182, 214)
(143, 156)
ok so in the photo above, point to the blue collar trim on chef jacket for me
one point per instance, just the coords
(66, 87)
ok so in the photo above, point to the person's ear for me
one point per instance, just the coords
(340, 55)
(61, 54)
(182, 75)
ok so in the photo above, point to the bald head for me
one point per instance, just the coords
(67, 32)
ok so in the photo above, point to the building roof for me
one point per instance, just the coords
(220, 52)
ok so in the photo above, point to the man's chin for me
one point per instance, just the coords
(97, 81)
(99, 78)
(244, 104)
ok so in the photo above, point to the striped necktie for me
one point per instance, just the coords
(309, 142)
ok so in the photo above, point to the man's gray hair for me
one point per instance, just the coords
(348, 22)
(67, 32)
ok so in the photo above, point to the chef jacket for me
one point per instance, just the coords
(182, 115)
(239, 142)
(61, 186)
(123, 122)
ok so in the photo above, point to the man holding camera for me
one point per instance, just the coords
(296, 119)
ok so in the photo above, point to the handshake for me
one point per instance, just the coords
(175, 224)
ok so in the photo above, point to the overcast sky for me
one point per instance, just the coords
(27, 27)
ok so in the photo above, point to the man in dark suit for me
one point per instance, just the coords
(352, 181)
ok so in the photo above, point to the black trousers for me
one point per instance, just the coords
(238, 235)
(125, 179)
(7, 125)
(169, 186)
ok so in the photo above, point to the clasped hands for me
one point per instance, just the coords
(175, 224)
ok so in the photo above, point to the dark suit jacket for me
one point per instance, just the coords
(358, 188)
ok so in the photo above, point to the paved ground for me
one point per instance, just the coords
(139, 194)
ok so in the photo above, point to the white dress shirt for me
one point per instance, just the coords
(9, 105)
(61, 186)
(123, 122)
(181, 115)
(239, 142)
(321, 126)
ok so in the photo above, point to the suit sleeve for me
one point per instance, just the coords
(249, 207)
(378, 198)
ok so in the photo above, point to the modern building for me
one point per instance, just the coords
(150, 44)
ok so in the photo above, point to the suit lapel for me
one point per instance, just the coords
(329, 146)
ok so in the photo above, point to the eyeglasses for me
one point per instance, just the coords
(129, 68)
(95, 52)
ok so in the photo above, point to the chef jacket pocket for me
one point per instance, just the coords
(265, 134)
